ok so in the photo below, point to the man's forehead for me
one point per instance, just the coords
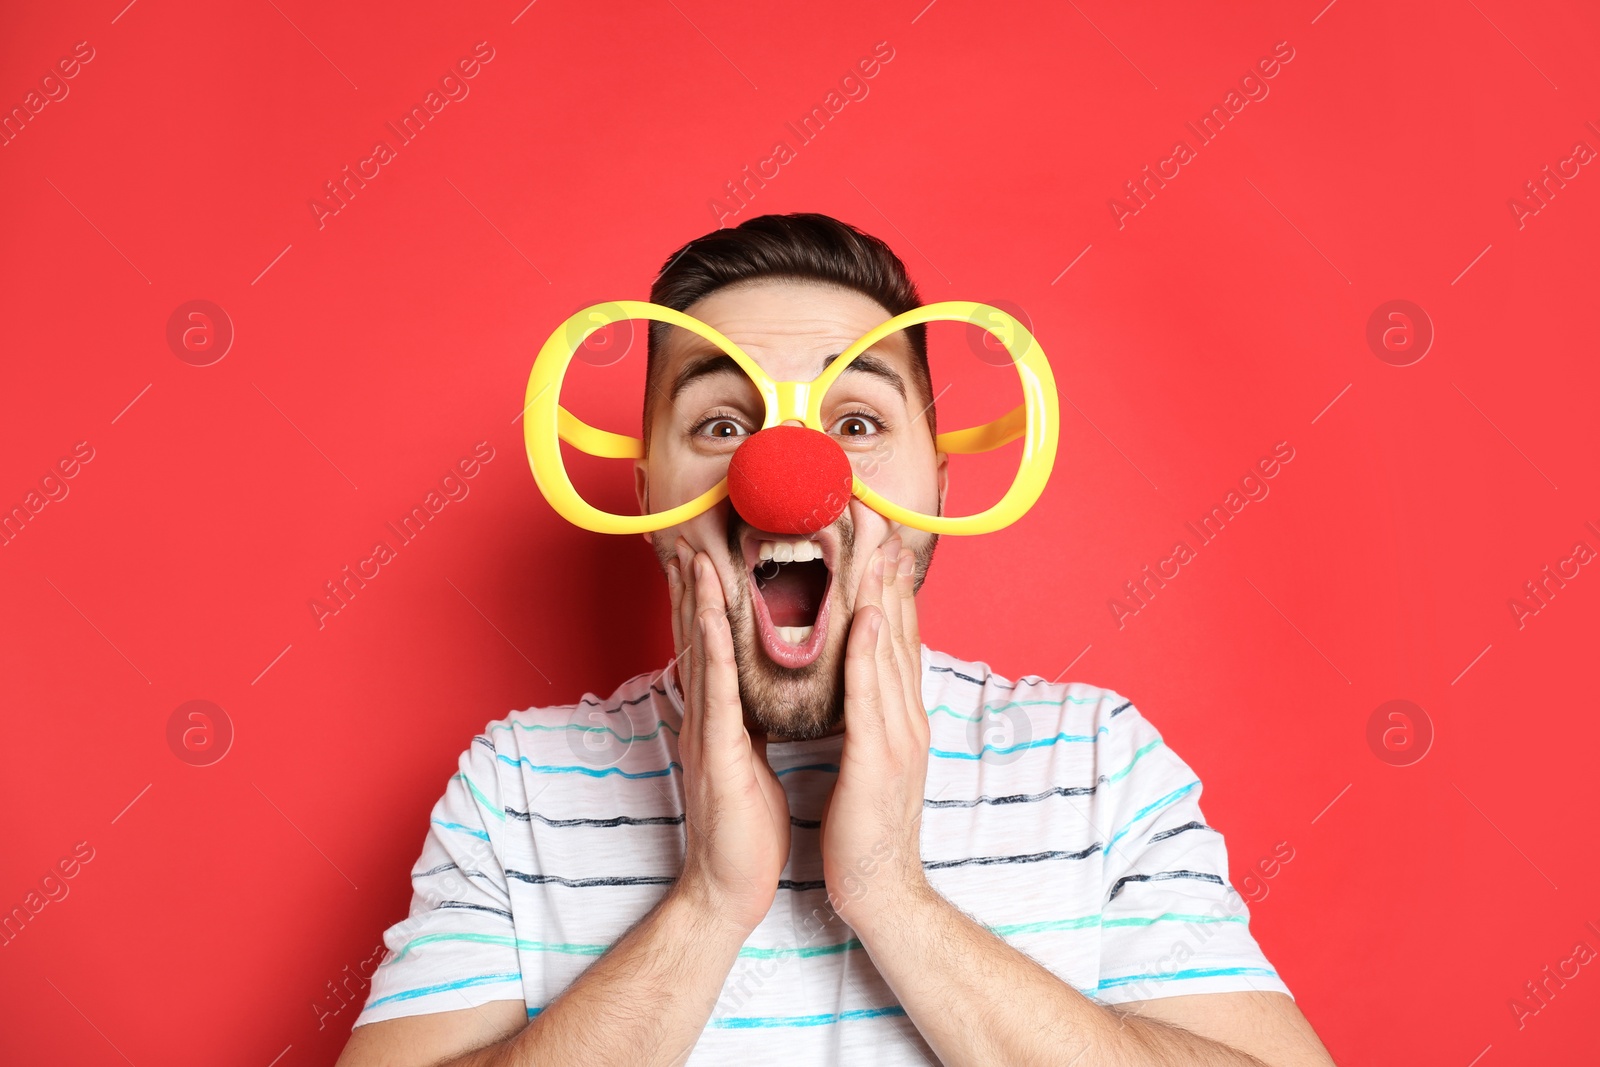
(802, 356)
(798, 328)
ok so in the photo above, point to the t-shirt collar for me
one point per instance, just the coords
(670, 682)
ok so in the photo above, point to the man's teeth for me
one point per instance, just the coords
(790, 551)
(795, 635)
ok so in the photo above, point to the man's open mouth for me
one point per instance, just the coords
(790, 578)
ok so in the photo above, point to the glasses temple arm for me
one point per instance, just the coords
(596, 442)
(985, 438)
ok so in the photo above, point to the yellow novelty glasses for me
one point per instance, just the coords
(1036, 420)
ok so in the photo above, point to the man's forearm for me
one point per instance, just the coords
(978, 1001)
(645, 1001)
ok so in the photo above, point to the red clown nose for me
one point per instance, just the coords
(789, 480)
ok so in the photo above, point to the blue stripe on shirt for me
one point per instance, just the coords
(1164, 802)
(445, 987)
(1191, 972)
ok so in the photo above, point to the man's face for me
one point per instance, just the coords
(790, 619)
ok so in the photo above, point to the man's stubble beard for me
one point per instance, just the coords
(800, 703)
(795, 703)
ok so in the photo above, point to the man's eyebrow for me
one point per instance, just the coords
(704, 366)
(871, 364)
(719, 362)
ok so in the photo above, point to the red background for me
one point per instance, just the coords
(372, 353)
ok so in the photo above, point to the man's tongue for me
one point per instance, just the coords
(794, 595)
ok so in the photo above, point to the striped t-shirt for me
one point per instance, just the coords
(1054, 814)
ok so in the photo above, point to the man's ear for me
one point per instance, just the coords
(641, 490)
(944, 477)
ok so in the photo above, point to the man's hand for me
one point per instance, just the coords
(871, 831)
(736, 816)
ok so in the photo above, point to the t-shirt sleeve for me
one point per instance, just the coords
(1172, 923)
(457, 948)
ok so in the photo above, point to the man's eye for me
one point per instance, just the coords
(857, 425)
(721, 428)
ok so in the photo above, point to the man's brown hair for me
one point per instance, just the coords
(804, 246)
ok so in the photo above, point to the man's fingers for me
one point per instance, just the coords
(906, 587)
(863, 699)
(891, 592)
(905, 657)
(694, 594)
(683, 639)
(724, 721)
(873, 601)
(870, 589)
(674, 593)
(724, 730)
(695, 698)
(686, 602)
(908, 633)
(707, 586)
(895, 584)
(686, 596)
(891, 671)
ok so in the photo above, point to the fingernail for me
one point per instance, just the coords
(907, 563)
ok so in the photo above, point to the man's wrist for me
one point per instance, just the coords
(701, 915)
(883, 909)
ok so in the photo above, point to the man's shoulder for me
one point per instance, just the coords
(1033, 727)
(642, 697)
(974, 688)
(593, 746)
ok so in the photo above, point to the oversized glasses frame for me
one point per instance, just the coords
(1036, 420)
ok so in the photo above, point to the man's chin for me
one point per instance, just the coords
(791, 703)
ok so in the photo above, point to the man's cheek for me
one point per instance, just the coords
(708, 533)
(679, 476)
(870, 465)
(903, 476)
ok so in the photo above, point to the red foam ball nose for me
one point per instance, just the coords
(789, 479)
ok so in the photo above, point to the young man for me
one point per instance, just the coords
(793, 844)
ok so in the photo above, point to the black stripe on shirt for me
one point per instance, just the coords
(608, 711)
(1163, 876)
(633, 820)
(1176, 830)
(615, 820)
(473, 907)
(1019, 798)
(587, 883)
(987, 679)
(448, 867)
(1031, 857)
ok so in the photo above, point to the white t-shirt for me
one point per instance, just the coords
(1054, 814)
